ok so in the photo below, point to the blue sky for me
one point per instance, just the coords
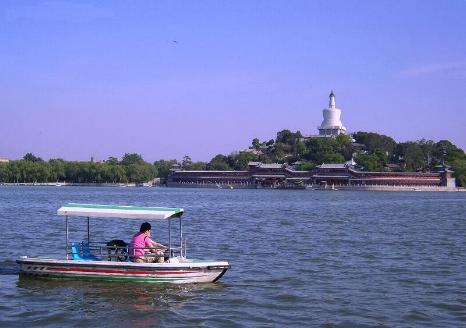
(172, 78)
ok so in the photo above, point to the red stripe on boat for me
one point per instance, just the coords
(116, 271)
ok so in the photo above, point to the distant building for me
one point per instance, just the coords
(4, 160)
(260, 175)
(331, 125)
(447, 175)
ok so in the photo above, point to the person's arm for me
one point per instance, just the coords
(153, 244)
(158, 245)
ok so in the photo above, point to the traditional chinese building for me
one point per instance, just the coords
(260, 175)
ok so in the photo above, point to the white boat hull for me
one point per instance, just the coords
(186, 271)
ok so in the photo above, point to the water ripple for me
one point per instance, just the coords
(299, 258)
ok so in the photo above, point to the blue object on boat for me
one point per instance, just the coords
(86, 253)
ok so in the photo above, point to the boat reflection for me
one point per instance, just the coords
(126, 303)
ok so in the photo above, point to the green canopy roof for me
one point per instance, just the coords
(116, 211)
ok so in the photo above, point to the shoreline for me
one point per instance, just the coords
(73, 184)
(233, 186)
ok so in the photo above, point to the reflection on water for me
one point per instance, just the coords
(141, 301)
(139, 294)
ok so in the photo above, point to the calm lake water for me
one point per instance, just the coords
(299, 258)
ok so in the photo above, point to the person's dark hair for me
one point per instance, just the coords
(145, 226)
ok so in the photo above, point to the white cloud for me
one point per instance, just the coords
(452, 68)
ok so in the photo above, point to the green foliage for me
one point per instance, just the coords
(141, 172)
(112, 161)
(379, 150)
(449, 151)
(189, 165)
(332, 158)
(32, 169)
(300, 148)
(219, 163)
(305, 166)
(374, 141)
(163, 167)
(459, 168)
(324, 150)
(198, 166)
(31, 158)
(239, 161)
(287, 137)
(369, 162)
(186, 162)
(3, 172)
(410, 156)
(256, 143)
(133, 158)
(57, 170)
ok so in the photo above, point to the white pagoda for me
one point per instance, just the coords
(331, 126)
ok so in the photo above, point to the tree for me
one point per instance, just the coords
(198, 166)
(368, 162)
(133, 158)
(374, 141)
(287, 137)
(410, 156)
(306, 166)
(332, 158)
(300, 148)
(345, 147)
(139, 173)
(186, 162)
(256, 143)
(31, 158)
(4, 176)
(117, 174)
(112, 161)
(219, 162)
(319, 150)
(459, 168)
(240, 160)
(428, 148)
(57, 170)
(163, 167)
(447, 151)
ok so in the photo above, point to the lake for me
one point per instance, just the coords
(299, 258)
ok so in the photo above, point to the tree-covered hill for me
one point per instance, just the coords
(371, 152)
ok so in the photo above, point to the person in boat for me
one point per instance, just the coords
(143, 249)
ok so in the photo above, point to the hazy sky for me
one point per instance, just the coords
(171, 78)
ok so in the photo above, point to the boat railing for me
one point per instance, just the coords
(118, 251)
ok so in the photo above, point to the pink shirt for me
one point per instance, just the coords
(139, 241)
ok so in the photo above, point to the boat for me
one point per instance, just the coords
(112, 261)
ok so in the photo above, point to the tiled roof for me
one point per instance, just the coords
(332, 166)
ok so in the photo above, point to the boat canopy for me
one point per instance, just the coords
(116, 211)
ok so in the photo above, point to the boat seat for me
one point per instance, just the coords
(85, 255)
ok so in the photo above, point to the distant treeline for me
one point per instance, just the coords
(371, 152)
(132, 168)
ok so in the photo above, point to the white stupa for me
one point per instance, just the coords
(331, 126)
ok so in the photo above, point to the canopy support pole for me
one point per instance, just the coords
(169, 238)
(66, 236)
(181, 238)
(88, 232)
